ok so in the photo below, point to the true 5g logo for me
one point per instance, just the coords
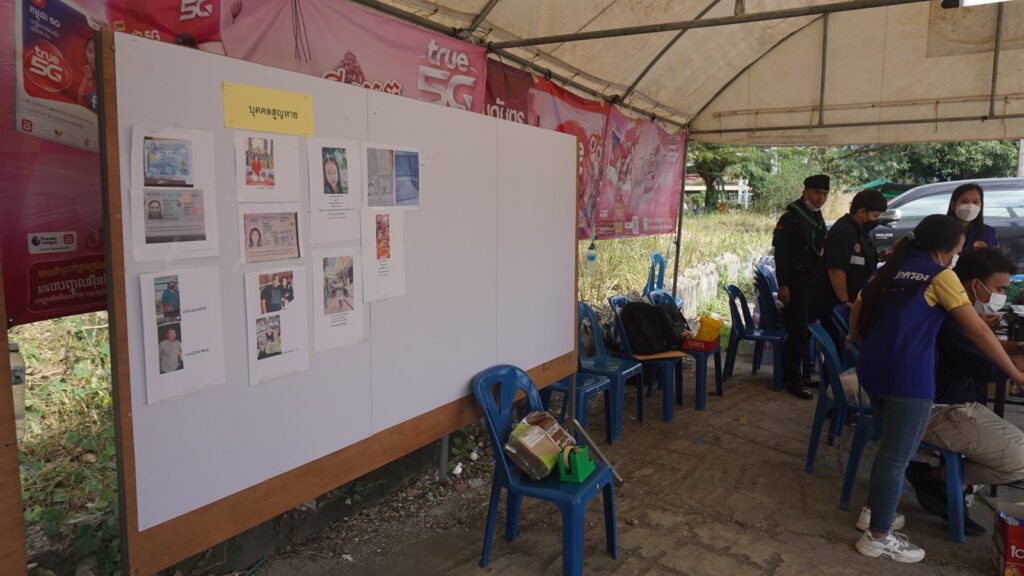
(46, 68)
(444, 85)
(192, 9)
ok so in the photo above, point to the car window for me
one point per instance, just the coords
(922, 207)
(1004, 204)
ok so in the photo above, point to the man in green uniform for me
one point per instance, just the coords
(799, 240)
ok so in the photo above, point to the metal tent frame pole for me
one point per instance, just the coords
(679, 217)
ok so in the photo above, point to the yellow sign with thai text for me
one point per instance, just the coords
(267, 110)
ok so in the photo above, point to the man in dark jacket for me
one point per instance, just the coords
(849, 258)
(993, 449)
(799, 240)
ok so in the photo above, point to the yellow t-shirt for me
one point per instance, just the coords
(946, 290)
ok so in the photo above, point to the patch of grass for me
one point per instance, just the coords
(68, 456)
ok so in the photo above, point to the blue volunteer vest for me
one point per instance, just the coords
(898, 354)
(987, 236)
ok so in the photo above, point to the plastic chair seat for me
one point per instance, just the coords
(659, 356)
(832, 405)
(743, 329)
(587, 386)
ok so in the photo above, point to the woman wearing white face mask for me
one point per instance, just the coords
(967, 205)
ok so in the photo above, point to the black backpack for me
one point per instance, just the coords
(647, 329)
(675, 322)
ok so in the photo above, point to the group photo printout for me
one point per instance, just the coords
(269, 232)
(277, 308)
(182, 334)
(266, 167)
(338, 312)
(334, 179)
(392, 177)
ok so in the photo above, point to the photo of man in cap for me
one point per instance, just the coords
(799, 240)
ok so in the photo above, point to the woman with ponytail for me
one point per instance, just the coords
(896, 321)
(966, 205)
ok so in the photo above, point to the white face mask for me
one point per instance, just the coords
(995, 302)
(811, 207)
(967, 212)
(952, 262)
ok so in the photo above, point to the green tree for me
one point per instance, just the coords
(924, 162)
(710, 162)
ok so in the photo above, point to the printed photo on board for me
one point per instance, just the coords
(271, 236)
(167, 162)
(383, 236)
(167, 298)
(171, 357)
(174, 216)
(276, 291)
(268, 337)
(259, 162)
(407, 178)
(335, 165)
(338, 290)
(380, 177)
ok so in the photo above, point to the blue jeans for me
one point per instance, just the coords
(903, 421)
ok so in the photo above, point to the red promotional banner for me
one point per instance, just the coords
(52, 237)
(642, 180)
(556, 109)
(508, 92)
(188, 22)
(348, 43)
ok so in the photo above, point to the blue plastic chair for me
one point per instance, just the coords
(743, 329)
(666, 363)
(841, 320)
(587, 386)
(765, 290)
(618, 370)
(700, 360)
(869, 428)
(836, 408)
(656, 275)
(495, 389)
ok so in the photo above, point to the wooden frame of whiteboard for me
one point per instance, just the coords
(160, 546)
(13, 557)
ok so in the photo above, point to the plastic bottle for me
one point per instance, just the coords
(18, 388)
(591, 260)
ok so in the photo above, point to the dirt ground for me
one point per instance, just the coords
(718, 492)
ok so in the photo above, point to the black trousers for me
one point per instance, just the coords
(795, 319)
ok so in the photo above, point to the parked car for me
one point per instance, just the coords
(1004, 211)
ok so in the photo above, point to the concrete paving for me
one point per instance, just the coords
(722, 491)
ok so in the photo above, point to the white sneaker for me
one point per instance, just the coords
(894, 546)
(864, 522)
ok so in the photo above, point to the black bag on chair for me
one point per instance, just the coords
(674, 321)
(647, 329)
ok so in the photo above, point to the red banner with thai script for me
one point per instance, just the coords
(642, 179)
(508, 92)
(187, 22)
(348, 43)
(555, 108)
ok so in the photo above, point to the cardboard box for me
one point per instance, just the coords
(1008, 540)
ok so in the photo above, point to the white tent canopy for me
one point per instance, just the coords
(910, 71)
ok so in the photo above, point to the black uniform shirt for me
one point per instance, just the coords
(798, 241)
(847, 248)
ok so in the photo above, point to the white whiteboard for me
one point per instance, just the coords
(490, 278)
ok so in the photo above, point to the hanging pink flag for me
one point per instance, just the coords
(555, 108)
(640, 187)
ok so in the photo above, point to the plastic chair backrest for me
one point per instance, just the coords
(841, 318)
(769, 274)
(661, 297)
(495, 389)
(738, 309)
(833, 366)
(656, 275)
(586, 313)
(617, 302)
(766, 301)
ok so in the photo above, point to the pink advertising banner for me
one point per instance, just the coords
(554, 108)
(52, 234)
(348, 43)
(642, 179)
(508, 91)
